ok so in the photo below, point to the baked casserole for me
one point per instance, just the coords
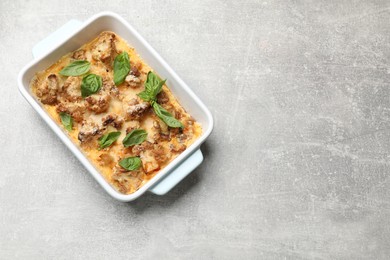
(119, 112)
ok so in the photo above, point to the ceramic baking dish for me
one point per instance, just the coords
(74, 34)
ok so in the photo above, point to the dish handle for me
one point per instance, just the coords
(43, 47)
(178, 174)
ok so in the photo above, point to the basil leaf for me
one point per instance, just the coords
(121, 67)
(131, 163)
(67, 121)
(153, 86)
(76, 68)
(145, 96)
(157, 89)
(90, 85)
(165, 116)
(108, 139)
(136, 136)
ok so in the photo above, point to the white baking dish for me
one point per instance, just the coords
(74, 34)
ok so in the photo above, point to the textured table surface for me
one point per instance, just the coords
(296, 168)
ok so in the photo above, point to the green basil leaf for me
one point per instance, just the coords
(90, 85)
(67, 121)
(153, 86)
(165, 116)
(108, 139)
(121, 67)
(131, 163)
(76, 68)
(145, 96)
(136, 136)
(157, 89)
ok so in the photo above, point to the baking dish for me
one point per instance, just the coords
(74, 34)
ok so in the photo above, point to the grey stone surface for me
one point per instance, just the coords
(296, 168)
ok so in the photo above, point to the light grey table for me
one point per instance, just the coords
(296, 168)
